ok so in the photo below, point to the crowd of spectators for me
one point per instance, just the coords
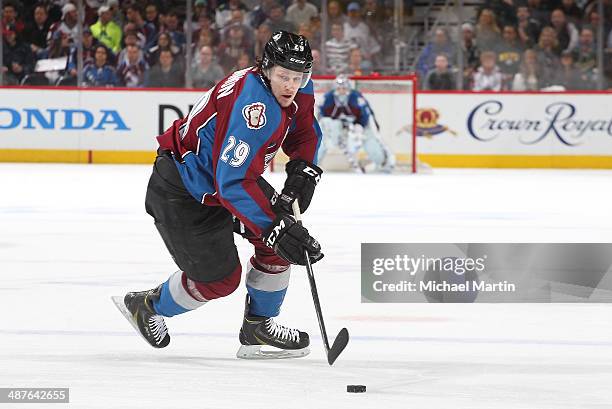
(142, 43)
(522, 46)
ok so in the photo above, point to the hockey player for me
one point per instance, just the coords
(207, 182)
(347, 121)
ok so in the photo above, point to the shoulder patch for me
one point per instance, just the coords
(255, 115)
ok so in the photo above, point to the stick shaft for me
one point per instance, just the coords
(313, 284)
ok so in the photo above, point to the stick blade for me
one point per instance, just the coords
(340, 343)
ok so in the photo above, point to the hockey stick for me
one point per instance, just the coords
(342, 338)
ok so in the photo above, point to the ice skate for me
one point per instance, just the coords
(137, 308)
(262, 338)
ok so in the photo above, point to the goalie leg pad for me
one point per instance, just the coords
(377, 152)
(332, 131)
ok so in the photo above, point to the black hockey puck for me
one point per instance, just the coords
(356, 388)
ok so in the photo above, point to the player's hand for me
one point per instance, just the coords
(302, 178)
(290, 240)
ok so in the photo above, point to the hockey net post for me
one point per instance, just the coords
(394, 103)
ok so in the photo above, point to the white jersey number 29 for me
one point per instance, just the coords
(239, 152)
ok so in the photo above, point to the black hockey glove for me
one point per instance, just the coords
(302, 178)
(289, 239)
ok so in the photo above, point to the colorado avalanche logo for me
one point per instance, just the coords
(255, 115)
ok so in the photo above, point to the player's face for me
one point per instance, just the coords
(285, 84)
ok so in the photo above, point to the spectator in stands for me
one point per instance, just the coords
(132, 70)
(528, 28)
(68, 23)
(440, 78)
(116, 13)
(488, 76)
(100, 73)
(471, 54)
(229, 50)
(277, 21)
(152, 15)
(592, 18)
(173, 29)
(509, 53)
(375, 17)
(304, 30)
(138, 37)
(317, 66)
(585, 57)
(206, 24)
(262, 36)
(548, 50)
(359, 33)
(10, 17)
(91, 11)
(106, 30)
(207, 72)
(17, 56)
(37, 31)
(243, 61)
(334, 13)
(357, 65)
(166, 74)
(337, 50)
(439, 45)
(538, 12)
(504, 10)
(136, 22)
(202, 8)
(130, 38)
(59, 46)
(205, 38)
(300, 12)
(261, 13)
(567, 34)
(316, 30)
(164, 42)
(487, 30)
(568, 75)
(531, 76)
(89, 51)
(54, 10)
(572, 11)
(238, 19)
(223, 14)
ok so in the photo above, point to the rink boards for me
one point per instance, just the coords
(453, 129)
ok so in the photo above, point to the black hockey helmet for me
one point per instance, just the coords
(290, 51)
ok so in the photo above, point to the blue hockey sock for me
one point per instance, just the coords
(267, 291)
(174, 298)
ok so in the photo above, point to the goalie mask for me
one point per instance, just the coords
(342, 88)
(290, 51)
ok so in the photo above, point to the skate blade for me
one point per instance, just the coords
(255, 352)
(118, 301)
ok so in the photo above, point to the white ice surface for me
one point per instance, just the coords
(71, 236)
